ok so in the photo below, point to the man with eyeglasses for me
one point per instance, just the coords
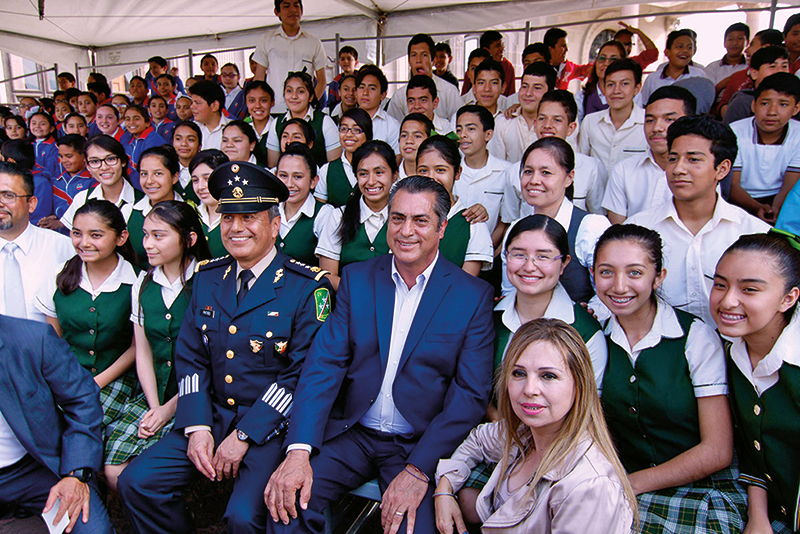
(28, 254)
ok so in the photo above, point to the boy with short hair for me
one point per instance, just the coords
(681, 46)
(101, 91)
(209, 66)
(414, 129)
(639, 183)
(208, 101)
(768, 163)
(492, 41)
(422, 97)
(234, 95)
(475, 58)
(165, 87)
(765, 62)
(535, 52)
(488, 87)
(556, 41)
(625, 36)
(371, 87)
(65, 80)
(441, 62)
(616, 133)
(737, 37)
(348, 63)
(74, 179)
(482, 174)
(158, 67)
(697, 225)
(514, 135)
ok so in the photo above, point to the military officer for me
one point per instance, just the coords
(240, 350)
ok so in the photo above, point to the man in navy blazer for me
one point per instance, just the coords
(50, 415)
(395, 379)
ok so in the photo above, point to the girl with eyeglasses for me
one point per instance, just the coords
(337, 182)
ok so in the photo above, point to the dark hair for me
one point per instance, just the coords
(791, 22)
(675, 92)
(211, 157)
(766, 55)
(183, 219)
(422, 38)
(778, 247)
(542, 70)
(16, 169)
(72, 92)
(98, 77)
(69, 279)
(69, 116)
(258, 84)
(623, 65)
(361, 118)
(551, 228)
(110, 106)
(233, 65)
(685, 32)
(193, 126)
(67, 75)
(490, 65)
(351, 215)
(308, 82)
(443, 46)
(208, 56)
(594, 79)
(478, 53)
(565, 98)
(552, 36)
(446, 147)
(648, 239)
(484, 115)
(99, 87)
(278, 5)
(210, 92)
(420, 118)
(723, 140)
(537, 48)
(5, 112)
(420, 81)
(158, 60)
(738, 27)
(21, 151)
(167, 155)
(559, 150)
(156, 97)
(140, 110)
(622, 32)
(308, 131)
(127, 100)
(372, 70)
(416, 185)
(781, 82)
(348, 50)
(92, 96)
(770, 36)
(75, 141)
(245, 127)
(48, 105)
(167, 77)
(302, 151)
(488, 38)
(109, 144)
(49, 118)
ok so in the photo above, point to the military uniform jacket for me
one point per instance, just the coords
(239, 364)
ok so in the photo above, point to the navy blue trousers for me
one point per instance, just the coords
(345, 463)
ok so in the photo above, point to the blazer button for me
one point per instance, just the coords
(231, 402)
(92, 309)
(229, 354)
(633, 379)
(203, 328)
(372, 249)
(91, 331)
(168, 316)
(232, 329)
(268, 334)
(757, 445)
(757, 409)
(228, 379)
(632, 410)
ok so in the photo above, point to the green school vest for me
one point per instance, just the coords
(214, 239)
(260, 151)
(161, 326)
(651, 410)
(453, 245)
(339, 188)
(135, 236)
(362, 249)
(318, 150)
(768, 435)
(98, 331)
(301, 242)
(187, 193)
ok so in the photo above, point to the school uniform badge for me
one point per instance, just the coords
(322, 297)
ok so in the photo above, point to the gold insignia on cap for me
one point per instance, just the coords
(278, 276)
(235, 167)
(280, 346)
(255, 345)
(237, 192)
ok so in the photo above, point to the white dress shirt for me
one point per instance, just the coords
(11, 450)
(764, 166)
(657, 79)
(329, 131)
(636, 184)
(599, 137)
(479, 247)
(307, 209)
(513, 136)
(449, 100)
(386, 128)
(169, 290)
(212, 138)
(483, 186)
(329, 244)
(125, 202)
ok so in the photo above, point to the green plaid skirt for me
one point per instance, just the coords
(114, 396)
(717, 504)
(779, 527)
(124, 443)
(479, 476)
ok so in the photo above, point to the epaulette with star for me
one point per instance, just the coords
(312, 272)
(212, 263)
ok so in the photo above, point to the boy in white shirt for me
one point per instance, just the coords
(371, 87)
(423, 97)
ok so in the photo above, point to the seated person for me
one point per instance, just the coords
(592, 98)
(414, 129)
(422, 97)
(487, 89)
(259, 98)
(371, 87)
(737, 37)
(208, 103)
(74, 179)
(765, 62)
(556, 41)
(562, 473)
(441, 63)
(337, 181)
(348, 63)
(347, 92)
(20, 152)
(681, 47)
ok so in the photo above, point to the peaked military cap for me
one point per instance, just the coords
(243, 187)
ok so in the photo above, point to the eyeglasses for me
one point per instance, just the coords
(518, 258)
(96, 163)
(603, 59)
(355, 130)
(10, 197)
(229, 75)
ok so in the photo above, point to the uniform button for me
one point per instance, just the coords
(633, 379)
(783, 510)
(229, 354)
(371, 401)
(91, 331)
(768, 477)
(228, 379)
(231, 402)
(94, 370)
(346, 427)
(268, 334)
(169, 364)
(372, 249)
(168, 339)
(757, 445)
(632, 410)
(92, 309)
(204, 327)
(232, 329)
(168, 316)
(757, 409)
(283, 244)
(91, 353)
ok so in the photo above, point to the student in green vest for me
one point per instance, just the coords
(465, 244)
(664, 394)
(414, 129)
(186, 140)
(337, 182)
(238, 141)
(173, 238)
(259, 99)
(302, 217)
(158, 173)
(87, 301)
(754, 302)
(302, 103)
(357, 230)
(201, 168)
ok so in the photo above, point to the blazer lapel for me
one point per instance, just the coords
(9, 400)
(225, 292)
(384, 302)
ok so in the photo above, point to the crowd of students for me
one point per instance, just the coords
(640, 211)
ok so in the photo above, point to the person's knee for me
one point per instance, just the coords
(112, 473)
(132, 482)
(245, 516)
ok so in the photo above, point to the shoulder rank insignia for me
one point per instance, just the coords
(280, 347)
(209, 264)
(278, 276)
(322, 298)
(224, 276)
(255, 345)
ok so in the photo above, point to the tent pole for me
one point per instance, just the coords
(772, 9)
(190, 55)
(77, 75)
(527, 33)
(336, 63)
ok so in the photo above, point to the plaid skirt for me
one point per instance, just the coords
(779, 527)
(114, 396)
(124, 443)
(717, 504)
(480, 476)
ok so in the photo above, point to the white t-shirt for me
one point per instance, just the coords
(763, 166)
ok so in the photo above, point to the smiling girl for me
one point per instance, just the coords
(161, 123)
(139, 136)
(201, 167)
(43, 129)
(238, 141)
(107, 119)
(336, 179)
(16, 127)
(259, 98)
(186, 140)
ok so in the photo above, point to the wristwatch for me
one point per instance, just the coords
(84, 474)
(241, 436)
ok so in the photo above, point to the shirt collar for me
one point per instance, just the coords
(144, 203)
(306, 209)
(784, 350)
(259, 268)
(279, 31)
(366, 212)
(665, 325)
(307, 117)
(422, 278)
(559, 307)
(24, 240)
(161, 279)
(724, 60)
(123, 273)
